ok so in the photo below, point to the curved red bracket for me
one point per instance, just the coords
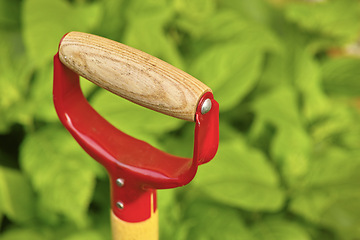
(142, 167)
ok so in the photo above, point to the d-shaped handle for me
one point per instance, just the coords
(132, 74)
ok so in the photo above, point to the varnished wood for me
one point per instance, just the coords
(146, 230)
(132, 74)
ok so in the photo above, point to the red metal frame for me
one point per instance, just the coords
(143, 167)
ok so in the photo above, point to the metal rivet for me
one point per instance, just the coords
(120, 205)
(206, 106)
(120, 182)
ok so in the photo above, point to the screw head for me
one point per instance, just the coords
(120, 182)
(120, 205)
(206, 106)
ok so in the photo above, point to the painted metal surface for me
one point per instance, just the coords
(142, 167)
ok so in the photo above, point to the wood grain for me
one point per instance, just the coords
(132, 74)
(146, 230)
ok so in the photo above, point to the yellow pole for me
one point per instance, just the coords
(145, 230)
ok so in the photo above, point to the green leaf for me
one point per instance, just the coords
(211, 221)
(307, 78)
(341, 77)
(222, 26)
(10, 13)
(241, 176)
(292, 144)
(1, 216)
(279, 107)
(344, 217)
(153, 41)
(280, 65)
(62, 174)
(195, 10)
(113, 19)
(256, 10)
(151, 27)
(291, 149)
(45, 22)
(25, 233)
(137, 121)
(232, 67)
(240, 83)
(350, 137)
(86, 235)
(41, 95)
(340, 123)
(279, 229)
(230, 70)
(170, 216)
(15, 76)
(337, 18)
(150, 8)
(192, 15)
(331, 181)
(12, 185)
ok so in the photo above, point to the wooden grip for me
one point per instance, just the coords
(132, 74)
(146, 230)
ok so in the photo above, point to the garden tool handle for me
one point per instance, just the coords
(122, 230)
(132, 74)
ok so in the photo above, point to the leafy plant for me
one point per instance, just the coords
(289, 154)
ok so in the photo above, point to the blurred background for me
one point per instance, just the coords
(286, 74)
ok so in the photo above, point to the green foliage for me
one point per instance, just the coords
(229, 180)
(335, 70)
(130, 117)
(342, 24)
(57, 178)
(49, 20)
(289, 154)
(15, 184)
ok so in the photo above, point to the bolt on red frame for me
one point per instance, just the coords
(136, 169)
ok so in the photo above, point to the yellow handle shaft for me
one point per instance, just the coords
(145, 230)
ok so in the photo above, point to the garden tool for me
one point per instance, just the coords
(136, 169)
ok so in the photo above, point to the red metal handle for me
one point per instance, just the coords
(142, 167)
